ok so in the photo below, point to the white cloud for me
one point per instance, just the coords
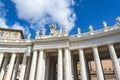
(2, 11)
(42, 12)
(3, 23)
(15, 26)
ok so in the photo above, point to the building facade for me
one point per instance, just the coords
(59, 56)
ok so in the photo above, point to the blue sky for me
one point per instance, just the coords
(31, 15)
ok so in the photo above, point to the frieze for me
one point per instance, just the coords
(4, 34)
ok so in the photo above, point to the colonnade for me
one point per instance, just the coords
(38, 66)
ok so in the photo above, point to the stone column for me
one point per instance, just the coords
(27, 69)
(67, 64)
(15, 71)
(1, 58)
(33, 66)
(60, 65)
(10, 67)
(71, 76)
(83, 65)
(3, 68)
(98, 64)
(114, 61)
(23, 68)
(40, 66)
(44, 66)
(47, 68)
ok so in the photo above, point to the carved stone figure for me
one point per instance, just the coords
(60, 32)
(52, 30)
(104, 24)
(91, 28)
(65, 32)
(118, 19)
(37, 34)
(29, 35)
(79, 31)
(43, 32)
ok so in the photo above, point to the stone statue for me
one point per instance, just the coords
(37, 34)
(65, 32)
(43, 32)
(91, 28)
(52, 30)
(29, 35)
(104, 24)
(79, 31)
(118, 19)
(60, 32)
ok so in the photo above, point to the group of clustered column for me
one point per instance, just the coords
(37, 69)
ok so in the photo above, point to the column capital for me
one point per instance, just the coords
(95, 47)
(41, 49)
(35, 50)
(59, 48)
(110, 44)
(80, 48)
(13, 52)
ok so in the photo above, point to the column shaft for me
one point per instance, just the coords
(33, 66)
(10, 68)
(47, 68)
(23, 68)
(83, 65)
(15, 71)
(67, 68)
(60, 66)
(40, 66)
(71, 76)
(98, 64)
(3, 68)
(114, 61)
(27, 72)
(1, 58)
